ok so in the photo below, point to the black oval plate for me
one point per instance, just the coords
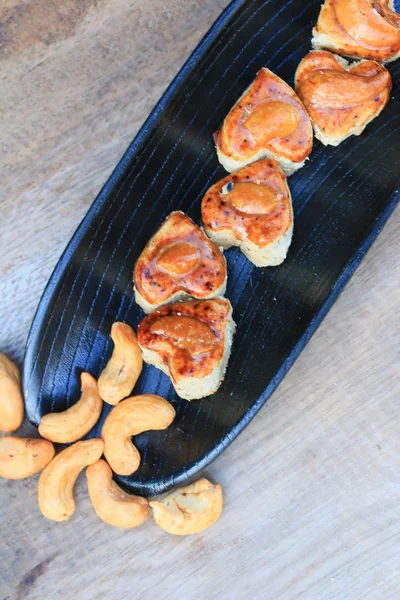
(342, 198)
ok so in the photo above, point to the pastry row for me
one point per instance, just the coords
(181, 275)
(335, 98)
(190, 340)
(332, 96)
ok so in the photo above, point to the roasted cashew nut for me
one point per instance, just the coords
(56, 482)
(131, 417)
(11, 400)
(22, 457)
(110, 502)
(75, 422)
(190, 509)
(124, 367)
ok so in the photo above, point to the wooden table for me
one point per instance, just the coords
(312, 486)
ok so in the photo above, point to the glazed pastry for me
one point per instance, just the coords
(359, 29)
(268, 120)
(178, 262)
(340, 98)
(191, 342)
(251, 209)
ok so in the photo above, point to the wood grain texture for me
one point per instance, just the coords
(312, 485)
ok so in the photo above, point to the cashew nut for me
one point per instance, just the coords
(22, 457)
(75, 422)
(124, 367)
(110, 502)
(190, 509)
(131, 417)
(11, 400)
(56, 482)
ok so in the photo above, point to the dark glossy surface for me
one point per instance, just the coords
(342, 198)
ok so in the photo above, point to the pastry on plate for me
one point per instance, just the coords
(268, 120)
(178, 262)
(359, 29)
(341, 98)
(251, 209)
(191, 342)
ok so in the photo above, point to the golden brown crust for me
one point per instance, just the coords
(189, 337)
(253, 203)
(269, 116)
(359, 28)
(341, 100)
(179, 258)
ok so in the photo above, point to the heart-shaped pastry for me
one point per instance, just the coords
(340, 98)
(251, 209)
(359, 29)
(191, 342)
(178, 262)
(268, 120)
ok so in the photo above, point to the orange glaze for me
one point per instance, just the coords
(339, 99)
(187, 333)
(254, 203)
(187, 336)
(269, 116)
(179, 257)
(272, 119)
(360, 28)
(384, 10)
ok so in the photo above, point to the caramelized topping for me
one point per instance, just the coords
(253, 198)
(342, 89)
(367, 29)
(187, 333)
(269, 119)
(363, 22)
(178, 258)
(254, 204)
(341, 100)
(272, 119)
(384, 11)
